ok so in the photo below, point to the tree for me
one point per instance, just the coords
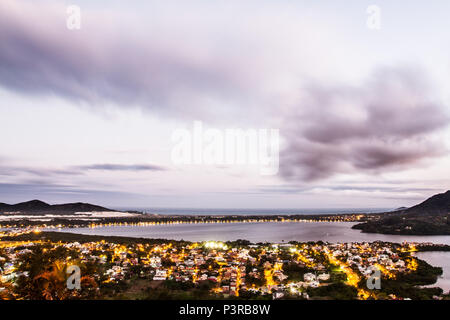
(52, 283)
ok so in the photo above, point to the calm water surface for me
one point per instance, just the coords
(439, 259)
(256, 232)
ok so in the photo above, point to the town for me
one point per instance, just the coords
(33, 265)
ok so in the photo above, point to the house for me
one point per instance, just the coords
(278, 294)
(323, 276)
(160, 275)
(400, 264)
(308, 277)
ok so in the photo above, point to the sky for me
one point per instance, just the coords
(89, 114)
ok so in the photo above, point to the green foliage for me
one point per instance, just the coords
(258, 282)
(338, 291)
(295, 272)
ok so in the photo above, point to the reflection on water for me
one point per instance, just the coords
(257, 232)
(439, 259)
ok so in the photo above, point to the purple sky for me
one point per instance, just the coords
(88, 115)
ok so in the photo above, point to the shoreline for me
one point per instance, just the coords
(70, 236)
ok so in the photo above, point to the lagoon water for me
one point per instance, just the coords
(256, 232)
(438, 259)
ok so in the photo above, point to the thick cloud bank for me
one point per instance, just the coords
(182, 60)
(385, 124)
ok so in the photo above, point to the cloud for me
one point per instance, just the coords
(293, 189)
(386, 124)
(121, 167)
(164, 68)
(6, 170)
(164, 58)
(13, 171)
(173, 64)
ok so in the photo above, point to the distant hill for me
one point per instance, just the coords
(430, 217)
(37, 206)
(438, 204)
(400, 209)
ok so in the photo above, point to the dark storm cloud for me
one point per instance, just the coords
(385, 124)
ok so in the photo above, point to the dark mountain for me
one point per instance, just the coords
(33, 205)
(4, 206)
(37, 206)
(431, 217)
(79, 207)
(438, 204)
